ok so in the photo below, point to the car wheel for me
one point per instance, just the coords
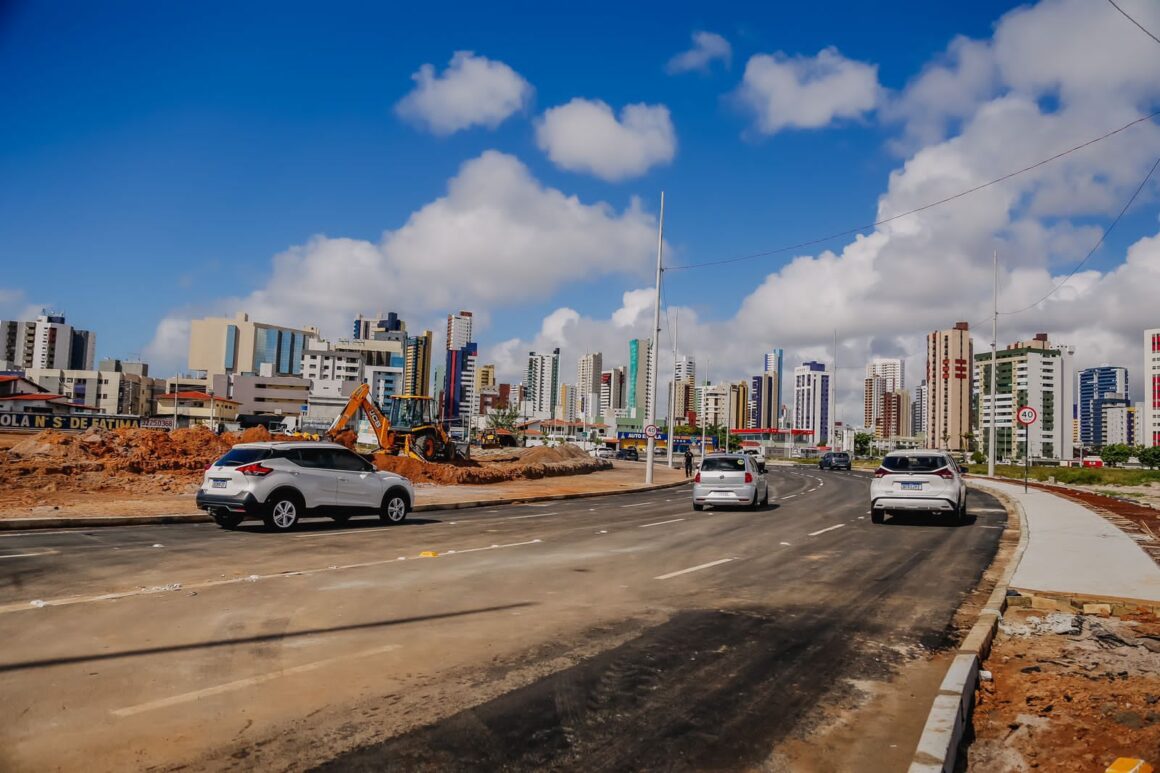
(228, 520)
(282, 512)
(698, 508)
(877, 515)
(395, 508)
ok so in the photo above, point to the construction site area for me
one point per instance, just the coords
(53, 470)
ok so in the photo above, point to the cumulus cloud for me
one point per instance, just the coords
(707, 48)
(498, 236)
(585, 136)
(801, 92)
(472, 91)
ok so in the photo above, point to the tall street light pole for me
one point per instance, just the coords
(994, 367)
(651, 413)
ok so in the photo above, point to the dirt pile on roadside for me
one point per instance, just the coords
(1068, 693)
(52, 468)
(528, 463)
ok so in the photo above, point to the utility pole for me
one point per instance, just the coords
(704, 397)
(833, 427)
(994, 367)
(651, 413)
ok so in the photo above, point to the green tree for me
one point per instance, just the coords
(1115, 454)
(862, 441)
(978, 457)
(504, 418)
(1149, 457)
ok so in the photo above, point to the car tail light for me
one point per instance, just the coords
(208, 466)
(748, 477)
(881, 472)
(697, 478)
(945, 473)
(255, 469)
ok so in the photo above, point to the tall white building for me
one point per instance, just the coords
(47, 342)
(613, 394)
(1149, 434)
(685, 370)
(458, 330)
(919, 409)
(811, 401)
(1032, 373)
(542, 385)
(713, 404)
(588, 372)
(568, 405)
(883, 376)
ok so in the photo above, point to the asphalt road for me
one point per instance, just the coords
(623, 632)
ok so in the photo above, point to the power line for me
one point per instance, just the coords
(924, 207)
(1129, 18)
(1099, 241)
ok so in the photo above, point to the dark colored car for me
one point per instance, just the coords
(628, 454)
(834, 460)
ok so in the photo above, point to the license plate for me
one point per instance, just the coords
(906, 486)
(219, 482)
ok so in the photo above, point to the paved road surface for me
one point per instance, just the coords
(626, 632)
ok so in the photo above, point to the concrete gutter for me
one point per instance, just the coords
(939, 744)
(73, 522)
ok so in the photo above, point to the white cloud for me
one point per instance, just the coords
(472, 91)
(585, 136)
(802, 92)
(497, 237)
(707, 48)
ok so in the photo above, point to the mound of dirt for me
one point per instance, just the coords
(539, 462)
(57, 467)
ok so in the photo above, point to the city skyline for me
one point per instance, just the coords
(340, 241)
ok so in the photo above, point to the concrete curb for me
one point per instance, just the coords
(66, 522)
(939, 744)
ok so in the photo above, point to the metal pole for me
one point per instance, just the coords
(704, 422)
(651, 413)
(994, 367)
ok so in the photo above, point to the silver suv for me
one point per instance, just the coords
(282, 482)
(929, 481)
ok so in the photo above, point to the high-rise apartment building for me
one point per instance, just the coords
(1096, 384)
(542, 385)
(459, 396)
(225, 346)
(683, 388)
(919, 408)
(811, 402)
(739, 405)
(949, 354)
(417, 364)
(567, 405)
(640, 391)
(613, 393)
(894, 415)
(765, 401)
(1032, 373)
(773, 365)
(713, 404)
(379, 328)
(588, 371)
(882, 376)
(48, 342)
(1149, 433)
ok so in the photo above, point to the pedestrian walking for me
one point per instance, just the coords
(688, 462)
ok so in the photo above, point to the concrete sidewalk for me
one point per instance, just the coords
(1073, 551)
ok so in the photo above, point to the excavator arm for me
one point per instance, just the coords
(359, 399)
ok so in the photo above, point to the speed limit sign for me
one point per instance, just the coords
(650, 431)
(1027, 415)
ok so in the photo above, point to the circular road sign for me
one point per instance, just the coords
(1027, 415)
(650, 431)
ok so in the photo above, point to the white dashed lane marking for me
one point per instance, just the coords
(823, 531)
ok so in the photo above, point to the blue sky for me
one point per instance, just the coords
(155, 158)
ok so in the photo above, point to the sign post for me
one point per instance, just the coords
(1026, 415)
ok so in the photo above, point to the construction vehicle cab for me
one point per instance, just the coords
(408, 428)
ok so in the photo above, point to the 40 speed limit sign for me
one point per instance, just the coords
(1026, 415)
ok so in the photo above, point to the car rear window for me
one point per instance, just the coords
(914, 463)
(236, 457)
(725, 464)
(842, 457)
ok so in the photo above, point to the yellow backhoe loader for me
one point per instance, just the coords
(408, 428)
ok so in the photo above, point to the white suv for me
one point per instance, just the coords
(282, 482)
(928, 480)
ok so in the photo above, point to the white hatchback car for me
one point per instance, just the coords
(729, 479)
(921, 480)
(281, 482)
